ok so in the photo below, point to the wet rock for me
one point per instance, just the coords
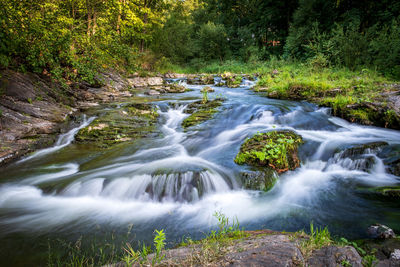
(132, 121)
(207, 89)
(380, 231)
(358, 150)
(276, 149)
(233, 81)
(335, 256)
(152, 92)
(259, 180)
(175, 88)
(201, 112)
(200, 80)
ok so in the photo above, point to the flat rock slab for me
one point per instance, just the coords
(333, 256)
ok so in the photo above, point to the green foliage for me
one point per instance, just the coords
(159, 243)
(369, 259)
(271, 149)
(205, 96)
(317, 239)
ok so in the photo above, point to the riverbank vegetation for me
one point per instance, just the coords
(75, 39)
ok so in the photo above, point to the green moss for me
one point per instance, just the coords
(133, 121)
(201, 111)
(276, 150)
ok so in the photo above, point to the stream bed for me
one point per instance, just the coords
(178, 179)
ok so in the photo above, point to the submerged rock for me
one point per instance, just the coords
(277, 150)
(200, 111)
(380, 231)
(134, 120)
(259, 180)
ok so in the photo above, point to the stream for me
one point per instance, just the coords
(179, 179)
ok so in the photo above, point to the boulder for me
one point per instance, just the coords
(276, 149)
(380, 231)
(152, 92)
(333, 256)
(138, 82)
(207, 89)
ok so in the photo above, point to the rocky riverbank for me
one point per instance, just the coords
(34, 109)
(269, 248)
(357, 99)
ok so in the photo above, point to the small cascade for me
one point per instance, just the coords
(62, 141)
(173, 187)
(358, 158)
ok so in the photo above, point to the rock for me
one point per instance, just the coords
(200, 112)
(395, 255)
(359, 150)
(333, 92)
(152, 92)
(335, 256)
(266, 249)
(379, 231)
(132, 121)
(175, 88)
(276, 149)
(233, 81)
(207, 89)
(200, 80)
(259, 180)
(145, 81)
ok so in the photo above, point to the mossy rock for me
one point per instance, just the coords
(201, 112)
(133, 121)
(259, 180)
(277, 150)
(207, 89)
(234, 81)
(392, 192)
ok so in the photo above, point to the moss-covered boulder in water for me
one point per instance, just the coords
(134, 120)
(201, 111)
(276, 150)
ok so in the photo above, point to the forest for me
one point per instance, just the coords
(74, 39)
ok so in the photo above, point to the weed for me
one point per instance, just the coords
(159, 243)
(369, 259)
(318, 238)
(270, 149)
(205, 97)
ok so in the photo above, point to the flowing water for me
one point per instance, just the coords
(178, 180)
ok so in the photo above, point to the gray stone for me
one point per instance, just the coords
(380, 231)
(335, 256)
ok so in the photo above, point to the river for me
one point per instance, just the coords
(179, 179)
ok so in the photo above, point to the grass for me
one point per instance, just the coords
(215, 245)
(318, 238)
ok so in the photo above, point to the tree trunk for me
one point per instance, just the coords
(89, 18)
(94, 28)
(119, 17)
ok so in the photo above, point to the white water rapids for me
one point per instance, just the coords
(185, 176)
